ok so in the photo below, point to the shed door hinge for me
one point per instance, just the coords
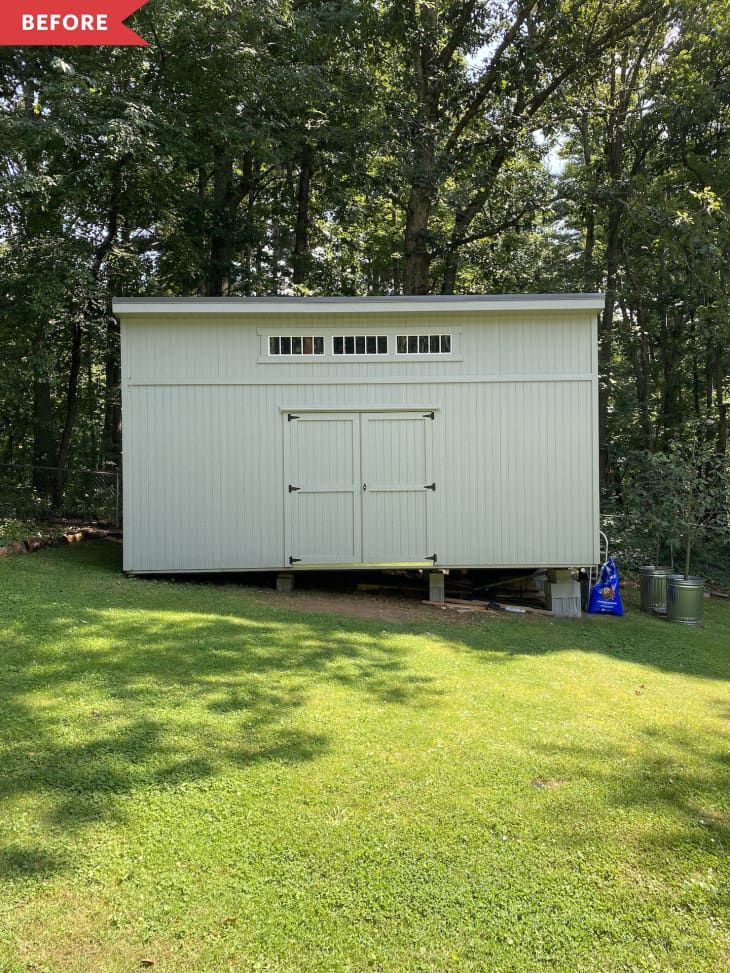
(429, 415)
(430, 486)
(431, 557)
(293, 488)
(293, 560)
(290, 416)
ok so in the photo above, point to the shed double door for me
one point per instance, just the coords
(359, 487)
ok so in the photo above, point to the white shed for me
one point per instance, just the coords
(297, 433)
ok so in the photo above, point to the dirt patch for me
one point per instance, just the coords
(383, 607)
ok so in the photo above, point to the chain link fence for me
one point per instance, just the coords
(30, 492)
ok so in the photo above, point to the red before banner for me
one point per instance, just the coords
(63, 22)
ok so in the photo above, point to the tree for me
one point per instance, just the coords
(698, 491)
(475, 83)
(335, 146)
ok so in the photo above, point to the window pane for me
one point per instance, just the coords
(446, 344)
(360, 344)
(296, 346)
(382, 344)
(306, 346)
(349, 344)
(423, 344)
(337, 346)
(402, 344)
(371, 344)
(319, 346)
(286, 346)
(433, 342)
(412, 344)
(273, 346)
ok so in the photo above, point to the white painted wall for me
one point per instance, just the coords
(208, 449)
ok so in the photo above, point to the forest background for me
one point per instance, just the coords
(377, 147)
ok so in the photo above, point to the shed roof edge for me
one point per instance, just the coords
(139, 306)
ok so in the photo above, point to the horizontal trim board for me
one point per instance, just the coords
(376, 566)
(361, 380)
(337, 410)
(389, 359)
(352, 305)
(334, 330)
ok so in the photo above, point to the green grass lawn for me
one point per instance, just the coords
(194, 777)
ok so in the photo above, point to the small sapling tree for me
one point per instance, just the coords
(650, 489)
(698, 495)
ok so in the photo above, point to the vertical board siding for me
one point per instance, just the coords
(515, 461)
(227, 349)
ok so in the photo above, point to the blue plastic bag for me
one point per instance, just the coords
(605, 598)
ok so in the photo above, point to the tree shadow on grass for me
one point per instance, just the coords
(639, 638)
(648, 641)
(666, 779)
(112, 686)
(106, 696)
(21, 862)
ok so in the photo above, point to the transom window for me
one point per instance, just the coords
(296, 345)
(360, 344)
(423, 344)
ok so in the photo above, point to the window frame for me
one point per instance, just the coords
(377, 354)
(387, 330)
(296, 355)
(418, 337)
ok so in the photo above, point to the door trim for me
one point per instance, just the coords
(299, 413)
(304, 409)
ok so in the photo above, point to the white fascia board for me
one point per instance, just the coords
(140, 307)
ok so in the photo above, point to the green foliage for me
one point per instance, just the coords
(22, 530)
(342, 147)
(651, 483)
(679, 498)
(698, 489)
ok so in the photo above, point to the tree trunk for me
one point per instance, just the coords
(466, 215)
(721, 404)
(451, 265)
(635, 323)
(644, 383)
(92, 310)
(69, 421)
(221, 236)
(200, 271)
(589, 212)
(44, 446)
(417, 256)
(672, 350)
(605, 339)
(301, 257)
(248, 250)
(228, 193)
(112, 436)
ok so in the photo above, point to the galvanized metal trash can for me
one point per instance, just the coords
(653, 588)
(685, 599)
